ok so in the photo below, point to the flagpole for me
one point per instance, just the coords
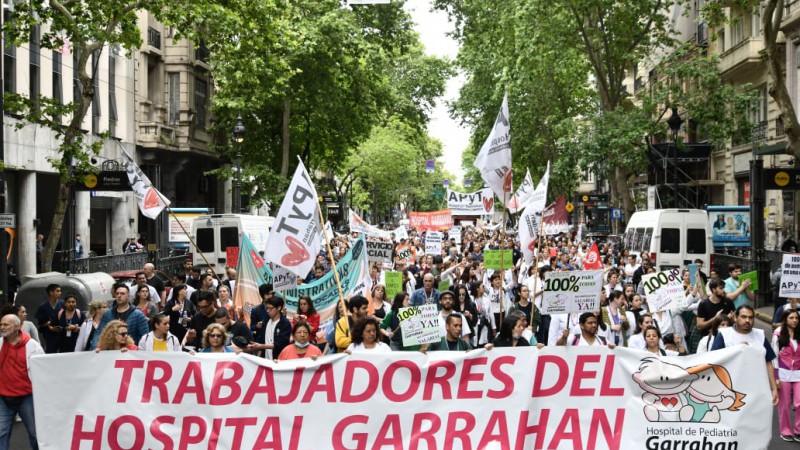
(536, 259)
(502, 253)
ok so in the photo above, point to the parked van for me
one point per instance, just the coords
(672, 237)
(214, 233)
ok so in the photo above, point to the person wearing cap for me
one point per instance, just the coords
(447, 300)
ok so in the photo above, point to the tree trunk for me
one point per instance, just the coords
(287, 112)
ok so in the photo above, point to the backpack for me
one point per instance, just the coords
(61, 312)
(577, 338)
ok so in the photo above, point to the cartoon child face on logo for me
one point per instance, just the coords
(711, 392)
(664, 385)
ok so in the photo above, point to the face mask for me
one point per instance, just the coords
(515, 335)
(302, 345)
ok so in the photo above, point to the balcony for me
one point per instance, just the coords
(742, 58)
(791, 15)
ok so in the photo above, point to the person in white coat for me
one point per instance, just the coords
(96, 310)
(160, 339)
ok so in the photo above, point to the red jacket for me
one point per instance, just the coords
(14, 370)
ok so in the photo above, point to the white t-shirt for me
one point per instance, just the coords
(269, 337)
(583, 343)
(380, 347)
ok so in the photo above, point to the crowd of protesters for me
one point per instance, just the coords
(479, 308)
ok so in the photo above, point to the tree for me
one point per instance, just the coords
(775, 55)
(88, 27)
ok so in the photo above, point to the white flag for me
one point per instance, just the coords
(151, 202)
(523, 195)
(539, 198)
(294, 239)
(529, 223)
(494, 159)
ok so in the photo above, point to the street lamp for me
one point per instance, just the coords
(238, 136)
(675, 123)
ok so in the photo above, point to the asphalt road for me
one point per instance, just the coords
(19, 438)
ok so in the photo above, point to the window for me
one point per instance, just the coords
(755, 21)
(58, 95)
(96, 111)
(648, 235)
(9, 58)
(670, 240)
(200, 97)
(174, 79)
(112, 93)
(696, 241)
(205, 240)
(737, 31)
(721, 37)
(758, 107)
(35, 79)
(228, 237)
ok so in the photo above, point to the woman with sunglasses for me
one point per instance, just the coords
(214, 340)
(115, 337)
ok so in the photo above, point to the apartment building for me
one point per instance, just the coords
(721, 176)
(153, 103)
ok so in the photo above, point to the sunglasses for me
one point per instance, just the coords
(217, 336)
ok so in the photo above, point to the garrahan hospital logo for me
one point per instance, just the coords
(693, 394)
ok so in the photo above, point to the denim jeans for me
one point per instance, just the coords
(7, 415)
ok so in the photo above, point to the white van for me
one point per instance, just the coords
(214, 233)
(672, 237)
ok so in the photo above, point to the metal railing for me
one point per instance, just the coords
(164, 260)
(154, 37)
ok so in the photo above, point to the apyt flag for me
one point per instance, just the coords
(592, 260)
(151, 202)
(529, 223)
(522, 196)
(294, 239)
(494, 159)
(539, 197)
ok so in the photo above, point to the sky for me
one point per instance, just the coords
(433, 28)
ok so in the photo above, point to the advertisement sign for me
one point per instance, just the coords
(576, 291)
(520, 398)
(430, 221)
(420, 324)
(478, 203)
(664, 290)
(730, 225)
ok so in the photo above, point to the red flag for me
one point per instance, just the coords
(592, 260)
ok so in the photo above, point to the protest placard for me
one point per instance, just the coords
(232, 256)
(455, 234)
(693, 268)
(282, 279)
(664, 290)
(420, 324)
(790, 276)
(491, 259)
(444, 285)
(379, 251)
(394, 283)
(576, 291)
(433, 243)
(753, 277)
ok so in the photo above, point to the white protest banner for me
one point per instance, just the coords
(478, 203)
(523, 194)
(507, 398)
(294, 238)
(538, 199)
(282, 279)
(360, 225)
(576, 291)
(379, 251)
(529, 224)
(664, 290)
(151, 201)
(494, 158)
(455, 234)
(420, 324)
(433, 243)
(790, 276)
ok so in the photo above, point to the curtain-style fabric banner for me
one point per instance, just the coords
(430, 221)
(555, 398)
(555, 217)
(478, 203)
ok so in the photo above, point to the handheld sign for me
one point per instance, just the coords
(753, 277)
(420, 325)
(693, 268)
(283, 279)
(394, 283)
(433, 243)
(491, 259)
(379, 251)
(576, 291)
(664, 290)
(790, 276)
